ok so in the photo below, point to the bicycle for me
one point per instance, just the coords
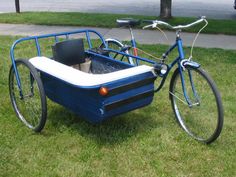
(191, 88)
(190, 72)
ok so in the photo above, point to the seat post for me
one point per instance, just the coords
(133, 42)
(131, 33)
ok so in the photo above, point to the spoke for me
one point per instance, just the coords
(200, 119)
(29, 106)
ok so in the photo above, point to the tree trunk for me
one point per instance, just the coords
(17, 4)
(165, 9)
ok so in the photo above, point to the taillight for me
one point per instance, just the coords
(103, 91)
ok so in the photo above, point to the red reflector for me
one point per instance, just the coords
(135, 51)
(103, 91)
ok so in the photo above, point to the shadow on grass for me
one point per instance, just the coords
(112, 131)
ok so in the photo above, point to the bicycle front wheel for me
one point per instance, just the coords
(31, 106)
(202, 118)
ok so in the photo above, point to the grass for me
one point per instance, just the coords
(107, 20)
(145, 142)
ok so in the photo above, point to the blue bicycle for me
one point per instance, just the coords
(194, 96)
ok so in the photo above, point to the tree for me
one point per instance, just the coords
(17, 5)
(165, 12)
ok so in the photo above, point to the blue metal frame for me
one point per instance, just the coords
(178, 44)
(128, 55)
(89, 104)
(55, 35)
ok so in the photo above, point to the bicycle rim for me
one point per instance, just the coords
(114, 46)
(30, 108)
(204, 119)
(118, 47)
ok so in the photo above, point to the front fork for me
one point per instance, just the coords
(183, 69)
(182, 65)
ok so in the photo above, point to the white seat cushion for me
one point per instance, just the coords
(79, 78)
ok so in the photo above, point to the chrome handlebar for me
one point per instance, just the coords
(178, 27)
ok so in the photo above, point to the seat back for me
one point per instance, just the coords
(69, 52)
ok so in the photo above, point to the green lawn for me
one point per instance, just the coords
(107, 20)
(145, 142)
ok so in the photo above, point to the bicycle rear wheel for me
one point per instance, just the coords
(118, 46)
(31, 107)
(204, 119)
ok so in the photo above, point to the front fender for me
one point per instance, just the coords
(191, 64)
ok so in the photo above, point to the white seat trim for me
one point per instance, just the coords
(79, 78)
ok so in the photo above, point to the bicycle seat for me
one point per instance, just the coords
(127, 22)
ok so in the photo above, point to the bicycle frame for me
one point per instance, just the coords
(178, 44)
(178, 60)
(56, 38)
(133, 42)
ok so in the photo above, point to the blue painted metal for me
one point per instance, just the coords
(169, 66)
(192, 86)
(181, 57)
(183, 84)
(38, 47)
(55, 35)
(128, 55)
(193, 65)
(188, 100)
(88, 39)
(16, 73)
(170, 49)
(133, 43)
(86, 101)
(56, 39)
(89, 104)
(178, 60)
(180, 48)
(107, 58)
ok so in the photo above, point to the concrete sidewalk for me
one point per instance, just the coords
(142, 36)
(216, 9)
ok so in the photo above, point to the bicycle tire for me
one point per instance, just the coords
(200, 125)
(31, 108)
(117, 45)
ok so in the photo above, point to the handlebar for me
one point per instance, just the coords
(158, 22)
